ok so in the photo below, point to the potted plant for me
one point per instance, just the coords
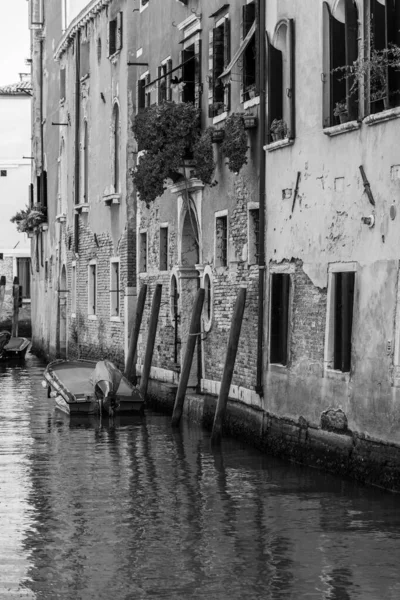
(278, 130)
(234, 147)
(27, 219)
(341, 112)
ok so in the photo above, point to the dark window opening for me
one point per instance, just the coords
(207, 297)
(220, 93)
(164, 83)
(115, 35)
(24, 276)
(254, 235)
(92, 289)
(3, 173)
(188, 74)
(279, 326)
(143, 252)
(343, 320)
(222, 241)
(84, 59)
(62, 84)
(164, 249)
(250, 54)
(115, 291)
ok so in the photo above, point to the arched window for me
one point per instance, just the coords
(340, 39)
(281, 85)
(117, 149)
(208, 300)
(85, 163)
(62, 181)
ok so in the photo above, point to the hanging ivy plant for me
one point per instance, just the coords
(234, 146)
(29, 218)
(203, 155)
(168, 133)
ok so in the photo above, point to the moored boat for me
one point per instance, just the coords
(87, 387)
(12, 347)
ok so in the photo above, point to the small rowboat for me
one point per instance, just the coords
(86, 387)
(12, 347)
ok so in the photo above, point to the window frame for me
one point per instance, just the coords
(92, 289)
(219, 260)
(115, 35)
(73, 288)
(116, 148)
(253, 237)
(163, 259)
(115, 307)
(143, 256)
(224, 97)
(288, 273)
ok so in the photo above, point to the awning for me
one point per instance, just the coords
(239, 51)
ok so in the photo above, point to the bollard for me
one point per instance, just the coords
(130, 371)
(194, 333)
(230, 358)
(151, 338)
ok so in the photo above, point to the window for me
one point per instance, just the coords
(164, 84)
(163, 248)
(340, 320)
(64, 22)
(117, 149)
(35, 14)
(208, 301)
(281, 88)
(221, 241)
(279, 321)
(98, 47)
(3, 173)
(115, 35)
(62, 84)
(84, 59)
(340, 38)
(92, 287)
(24, 276)
(144, 96)
(73, 289)
(383, 32)
(143, 252)
(114, 289)
(250, 54)
(188, 82)
(85, 165)
(220, 44)
(253, 236)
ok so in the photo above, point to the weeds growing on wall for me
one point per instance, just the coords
(234, 146)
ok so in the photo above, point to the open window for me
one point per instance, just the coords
(164, 248)
(383, 36)
(339, 319)
(143, 252)
(221, 240)
(73, 289)
(281, 82)
(85, 164)
(115, 35)
(24, 277)
(250, 85)
(84, 59)
(144, 95)
(114, 288)
(62, 84)
(116, 149)
(340, 39)
(279, 319)
(188, 82)
(92, 288)
(220, 50)
(164, 82)
(253, 235)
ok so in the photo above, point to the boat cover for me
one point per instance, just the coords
(16, 344)
(106, 373)
(4, 338)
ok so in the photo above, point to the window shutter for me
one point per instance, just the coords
(141, 103)
(43, 189)
(31, 195)
(393, 36)
(210, 73)
(218, 64)
(111, 38)
(326, 67)
(258, 28)
(62, 84)
(159, 84)
(351, 32)
(197, 74)
(148, 93)
(168, 81)
(38, 190)
(118, 44)
(180, 75)
(227, 58)
(292, 79)
(275, 83)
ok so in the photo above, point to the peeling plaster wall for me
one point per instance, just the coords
(325, 227)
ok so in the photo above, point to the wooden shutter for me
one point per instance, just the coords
(159, 84)
(141, 94)
(38, 190)
(218, 63)
(31, 195)
(292, 79)
(197, 74)
(148, 93)
(275, 83)
(210, 73)
(119, 33)
(259, 28)
(227, 58)
(351, 32)
(180, 76)
(326, 67)
(43, 189)
(168, 91)
(111, 38)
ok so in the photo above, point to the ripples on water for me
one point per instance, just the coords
(133, 509)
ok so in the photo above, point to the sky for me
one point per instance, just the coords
(14, 40)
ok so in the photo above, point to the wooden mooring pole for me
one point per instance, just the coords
(194, 334)
(230, 358)
(2, 291)
(151, 338)
(14, 329)
(130, 371)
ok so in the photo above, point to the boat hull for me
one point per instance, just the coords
(12, 348)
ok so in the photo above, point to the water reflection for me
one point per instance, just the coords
(131, 508)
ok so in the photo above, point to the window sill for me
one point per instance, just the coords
(278, 368)
(111, 199)
(252, 102)
(61, 218)
(115, 319)
(81, 208)
(336, 375)
(278, 145)
(220, 118)
(43, 227)
(84, 77)
(342, 128)
(92, 317)
(385, 115)
(26, 301)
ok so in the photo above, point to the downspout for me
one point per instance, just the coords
(262, 178)
(41, 106)
(77, 128)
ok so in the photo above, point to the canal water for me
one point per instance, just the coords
(133, 509)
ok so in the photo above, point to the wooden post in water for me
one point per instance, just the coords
(151, 338)
(194, 333)
(230, 358)
(130, 371)
(14, 329)
(2, 291)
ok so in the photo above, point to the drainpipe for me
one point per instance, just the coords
(262, 178)
(41, 104)
(77, 127)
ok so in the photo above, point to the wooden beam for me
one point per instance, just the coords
(151, 338)
(130, 371)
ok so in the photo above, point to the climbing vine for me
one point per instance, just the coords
(234, 146)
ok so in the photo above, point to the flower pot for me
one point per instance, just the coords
(343, 117)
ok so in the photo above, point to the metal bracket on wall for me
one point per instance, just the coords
(367, 186)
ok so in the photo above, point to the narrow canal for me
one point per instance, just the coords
(133, 509)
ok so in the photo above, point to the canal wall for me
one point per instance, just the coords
(331, 446)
